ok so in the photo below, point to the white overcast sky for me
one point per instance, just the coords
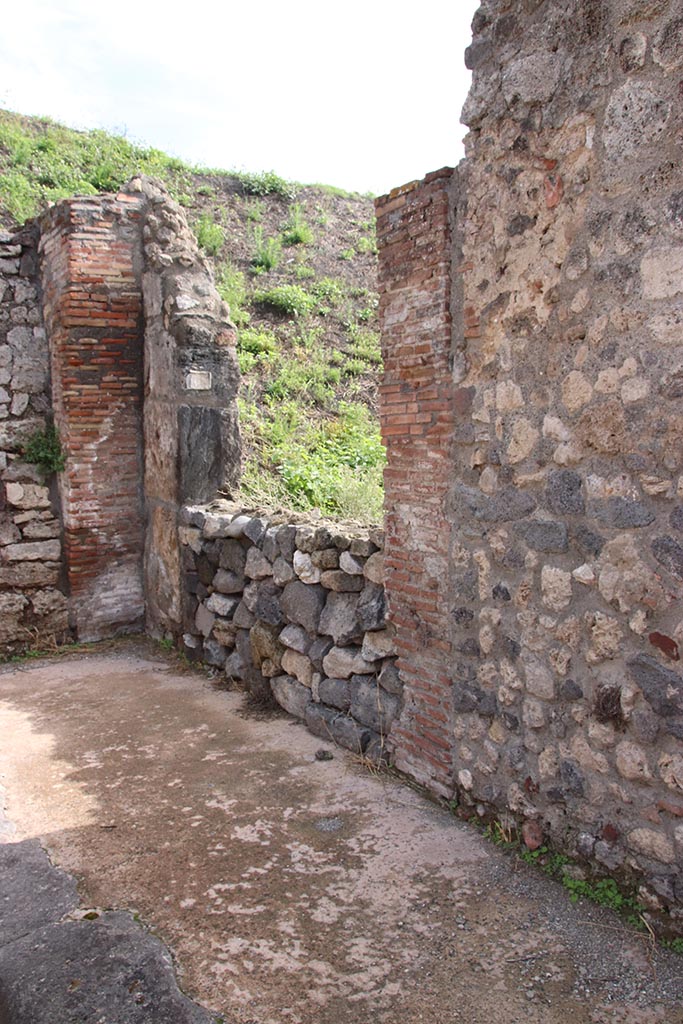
(360, 94)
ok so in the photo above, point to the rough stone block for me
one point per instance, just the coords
(291, 695)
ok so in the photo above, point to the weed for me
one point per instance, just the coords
(354, 367)
(296, 230)
(330, 292)
(287, 300)
(267, 183)
(210, 236)
(44, 449)
(254, 210)
(266, 251)
(258, 342)
(347, 254)
(366, 246)
(675, 945)
(232, 288)
(302, 272)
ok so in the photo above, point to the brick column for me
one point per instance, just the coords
(416, 412)
(90, 251)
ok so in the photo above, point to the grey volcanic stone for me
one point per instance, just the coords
(371, 705)
(371, 610)
(208, 443)
(563, 494)
(329, 724)
(589, 542)
(34, 893)
(669, 553)
(508, 504)
(214, 653)
(336, 692)
(291, 695)
(545, 535)
(339, 619)
(233, 556)
(572, 778)
(286, 539)
(227, 582)
(303, 603)
(296, 638)
(662, 688)
(389, 679)
(255, 530)
(622, 513)
(318, 650)
(268, 607)
(125, 976)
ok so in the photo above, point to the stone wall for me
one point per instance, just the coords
(560, 686)
(299, 611)
(135, 361)
(32, 604)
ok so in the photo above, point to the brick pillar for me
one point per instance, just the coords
(90, 250)
(416, 413)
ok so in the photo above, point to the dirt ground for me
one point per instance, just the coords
(293, 890)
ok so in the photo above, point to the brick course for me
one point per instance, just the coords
(416, 415)
(91, 265)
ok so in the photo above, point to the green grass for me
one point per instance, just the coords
(267, 251)
(287, 300)
(267, 183)
(43, 162)
(232, 288)
(210, 235)
(296, 230)
(306, 333)
(335, 466)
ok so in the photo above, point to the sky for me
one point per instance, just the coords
(359, 94)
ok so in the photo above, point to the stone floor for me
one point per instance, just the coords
(292, 890)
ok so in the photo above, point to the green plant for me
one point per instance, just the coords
(296, 230)
(266, 251)
(287, 299)
(254, 210)
(302, 272)
(366, 245)
(266, 183)
(258, 342)
(44, 449)
(210, 236)
(330, 292)
(347, 254)
(232, 288)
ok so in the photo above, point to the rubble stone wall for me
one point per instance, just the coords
(560, 661)
(32, 603)
(299, 611)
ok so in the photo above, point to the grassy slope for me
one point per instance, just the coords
(297, 266)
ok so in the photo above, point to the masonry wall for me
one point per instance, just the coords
(560, 657)
(417, 414)
(33, 607)
(91, 267)
(296, 611)
(110, 324)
